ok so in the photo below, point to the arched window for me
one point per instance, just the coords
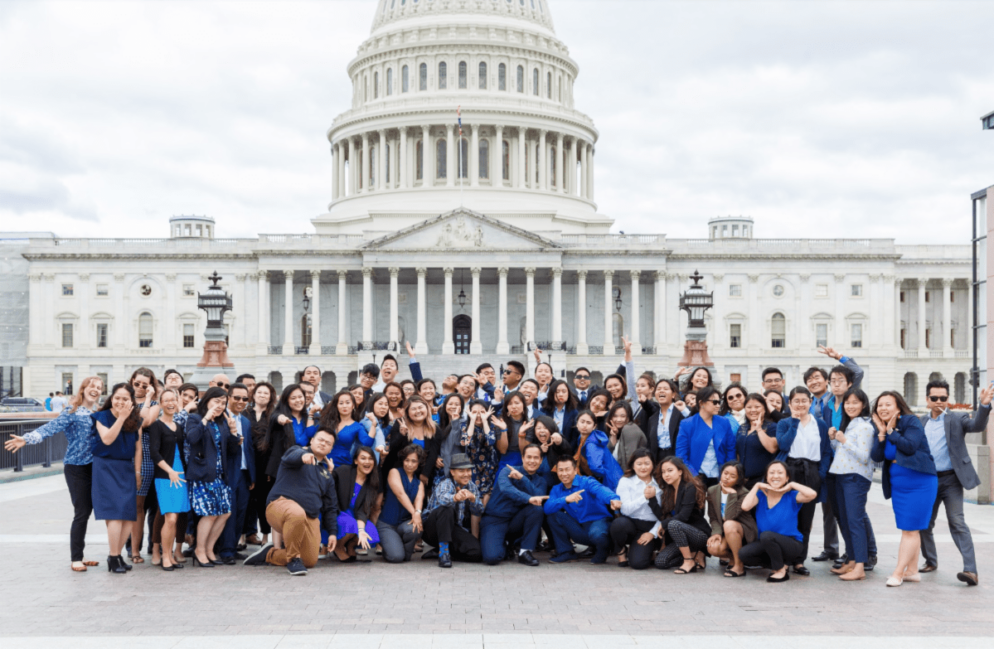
(404, 82)
(501, 77)
(483, 76)
(376, 85)
(462, 75)
(420, 156)
(440, 170)
(305, 330)
(423, 74)
(386, 165)
(559, 91)
(365, 88)
(535, 82)
(911, 388)
(505, 160)
(145, 330)
(778, 331)
(442, 75)
(463, 158)
(548, 85)
(484, 159)
(372, 166)
(389, 81)
(521, 79)
(276, 378)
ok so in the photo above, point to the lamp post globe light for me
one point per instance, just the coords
(696, 301)
(215, 302)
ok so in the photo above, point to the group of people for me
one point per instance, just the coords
(662, 472)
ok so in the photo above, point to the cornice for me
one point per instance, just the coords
(460, 46)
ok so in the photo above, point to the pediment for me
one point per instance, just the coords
(462, 229)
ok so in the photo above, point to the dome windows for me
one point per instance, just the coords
(389, 81)
(483, 75)
(462, 75)
(404, 82)
(484, 159)
(535, 82)
(423, 77)
(548, 85)
(442, 74)
(521, 79)
(440, 155)
(501, 77)
(463, 158)
(376, 85)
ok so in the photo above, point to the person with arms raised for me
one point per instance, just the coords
(579, 510)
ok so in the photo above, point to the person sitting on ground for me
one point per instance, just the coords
(399, 524)
(730, 525)
(514, 515)
(579, 510)
(358, 486)
(447, 520)
(637, 532)
(683, 508)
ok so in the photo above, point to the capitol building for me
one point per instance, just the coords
(481, 241)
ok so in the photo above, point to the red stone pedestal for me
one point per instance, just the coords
(215, 355)
(695, 354)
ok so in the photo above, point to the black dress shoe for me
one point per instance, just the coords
(228, 561)
(527, 558)
(841, 561)
(240, 556)
(802, 571)
(871, 562)
(444, 560)
(241, 546)
(197, 563)
(588, 553)
(825, 556)
(124, 563)
(430, 554)
(114, 565)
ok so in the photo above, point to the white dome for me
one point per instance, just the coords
(532, 11)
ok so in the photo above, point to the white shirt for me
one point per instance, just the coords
(317, 401)
(663, 429)
(238, 427)
(633, 501)
(559, 415)
(807, 444)
(378, 386)
(58, 404)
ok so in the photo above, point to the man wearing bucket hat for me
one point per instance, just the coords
(448, 515)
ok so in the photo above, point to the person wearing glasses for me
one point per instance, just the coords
(806, 450)
(946, 435)
(733, 405)
(581, 382)
(513, 374)
(706, 441)
(773, 380)
(241, 478)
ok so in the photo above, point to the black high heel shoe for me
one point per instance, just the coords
(167, 568)
(197, 563)
(124, 564)
(114, 565)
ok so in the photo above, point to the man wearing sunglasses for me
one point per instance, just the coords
(581, 381)
(946, 434)
(242, 480)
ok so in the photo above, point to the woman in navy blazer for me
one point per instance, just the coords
(561, 405)
(213, 453)
(706, 440)
(909, 478)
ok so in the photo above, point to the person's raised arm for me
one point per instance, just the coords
(804, 494)
(630, 371)
(907, 435)
(978, 422)
(294, 457)
(109, 434)
(752, 498)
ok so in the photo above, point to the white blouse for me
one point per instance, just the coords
(634, 503)
(854, 455)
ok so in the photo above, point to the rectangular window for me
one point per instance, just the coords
(821, 290)
(67, 290)
(145, 330)
(904, 339)
(67, 383)
(67, 334)
(105, 380)
(952, 296)
(928, 296)
(735, 290)
(778, 331)
(928, 338)
(821, 335)
(188, 291)
(735, 336)
(856, 290)
(101, 334)
(188, 336)
(952, 338)
(502, 77)
(902, 297)
(856, 339)
(103, 290)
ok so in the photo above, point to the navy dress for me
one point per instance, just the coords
(114, 489)
(212, 498)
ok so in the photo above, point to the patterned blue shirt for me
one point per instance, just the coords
(79, 429)
(442, 496)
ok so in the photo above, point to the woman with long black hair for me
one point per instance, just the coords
(637, 532)
(561, 405)
(263, 400)
(515, 416)
(756, 442)
(146, 388)
(166, 441)
(683, 510)
(338, 416)
(358, 486)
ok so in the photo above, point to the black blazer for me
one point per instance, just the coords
(569, 431)
(203, 452)
(686, 509)
(648, 420)
(162, 445)
(345, 486)
(281, 439)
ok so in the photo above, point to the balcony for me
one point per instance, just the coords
(275, 350)
(911, 353)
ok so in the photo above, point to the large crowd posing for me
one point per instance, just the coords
(662, 472)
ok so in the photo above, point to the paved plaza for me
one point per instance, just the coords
(576, 605)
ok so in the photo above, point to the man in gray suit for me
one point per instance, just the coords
(946, 433)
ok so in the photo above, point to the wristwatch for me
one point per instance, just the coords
(417, 511)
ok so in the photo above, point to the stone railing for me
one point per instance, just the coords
(781, 246)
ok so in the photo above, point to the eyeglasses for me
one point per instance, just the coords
(582, 377)
(716, 402)
(239, 399)
(223, 386)
(838, 382)
(735, 396)
(939, 399)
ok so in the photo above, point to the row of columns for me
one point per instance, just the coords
(947, 343)
(403, 160)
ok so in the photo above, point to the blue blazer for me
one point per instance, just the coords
(787, 431)
(510, 496)
(203, 452)
(695, 436)
(912, 448)
(601, 463)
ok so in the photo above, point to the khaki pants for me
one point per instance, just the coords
(301, 535)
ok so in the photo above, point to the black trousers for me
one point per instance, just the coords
(805, 472)
(772, 550)
(440, 527)
(626, 531)
(257, 505)
(79, 479)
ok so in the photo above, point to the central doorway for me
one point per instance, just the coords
(462, 333)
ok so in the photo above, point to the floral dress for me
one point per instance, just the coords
(482, 451)
(212, 498)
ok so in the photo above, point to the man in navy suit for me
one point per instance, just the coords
(241, 479)
(581, 381)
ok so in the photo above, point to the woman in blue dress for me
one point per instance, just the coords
(166, 445)
(115, 486)
(909, 478)
(399, 524)
(415, 427)
(76, 422)
(339, 416)
(213, 450)
(358, 487)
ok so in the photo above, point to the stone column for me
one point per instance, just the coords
(421, 346)
(542, 161)
(394, 272)
(529, 307)
(474, 156)
(590, 172)
(584, 179)
(897, 315)
(341, 170)
(448, 347)
(522, 149)
(315, 349)
(608, 317)
(659, 313)
(633, 330)
(502, 345)
(581, 314)
(402, 160)
(427, 162)
(557, 305)
(334, 171)
(381, 159)
(497, 151)
(288, 321)
(367, 308)
(343, 342)
(560, 166)
(922, 320)
(263, 301)
(947, 315)
(475, 344)
(364, 179)
(451, 163)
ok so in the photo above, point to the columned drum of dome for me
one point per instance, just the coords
(526, 127)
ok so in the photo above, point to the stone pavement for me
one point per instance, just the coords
(42, 599)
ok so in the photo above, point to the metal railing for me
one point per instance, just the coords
(275, 350)
(301, 351)
(51, 449)
(376, 346)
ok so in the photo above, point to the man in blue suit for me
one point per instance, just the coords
(241, 479)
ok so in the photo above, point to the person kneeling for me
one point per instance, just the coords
(730, 526)
(304, 489)
(777, 502)
(514, 512)
(358, 486)
(447, 522)
(579, 510)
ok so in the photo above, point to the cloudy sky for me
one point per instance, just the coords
(818, 119)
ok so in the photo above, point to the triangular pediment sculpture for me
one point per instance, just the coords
(462, 229)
